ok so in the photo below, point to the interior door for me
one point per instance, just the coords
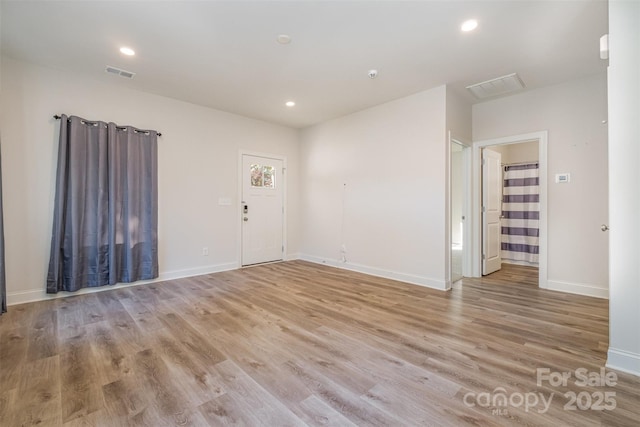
(262, 209)
(491, 211)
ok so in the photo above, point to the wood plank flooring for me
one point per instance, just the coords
(294, 344)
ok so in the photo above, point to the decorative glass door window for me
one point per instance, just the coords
(263, 176)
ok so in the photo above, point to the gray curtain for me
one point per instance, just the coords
(3, 289)
(106, 204)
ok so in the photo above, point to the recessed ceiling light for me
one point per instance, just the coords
(284, 39)
(290, 104)
(469, 25)
(127, 51)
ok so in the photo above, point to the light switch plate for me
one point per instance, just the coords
(563, 178)
(224, 201)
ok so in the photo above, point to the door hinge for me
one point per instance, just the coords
(282, 248)
(484, 161)
(483, 257)
(484, 209)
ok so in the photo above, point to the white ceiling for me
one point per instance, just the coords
(224, 54)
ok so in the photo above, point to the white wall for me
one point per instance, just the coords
(572, 113)
(198, 163)
(519, 153)
(624, 158)
(391, 215)
(459, 117)
(457, 203)
(391, 212)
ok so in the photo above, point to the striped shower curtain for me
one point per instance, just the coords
(521, 214)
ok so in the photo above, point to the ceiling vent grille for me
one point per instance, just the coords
(119, 72)
(495, 87)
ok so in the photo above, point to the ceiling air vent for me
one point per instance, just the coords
(119, 72)
(495, 87)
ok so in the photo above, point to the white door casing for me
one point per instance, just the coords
(262, 209)
(476, 217)
(491, 211)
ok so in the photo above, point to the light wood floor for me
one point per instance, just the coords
(301, 344)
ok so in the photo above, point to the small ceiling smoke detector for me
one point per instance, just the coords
(284, 39)
(127, 51)
(469, 25)
(495, 87)
(372, 74)
(119, 72)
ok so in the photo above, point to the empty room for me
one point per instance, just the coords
(322, 213)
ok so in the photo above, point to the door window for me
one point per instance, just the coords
(263, 176)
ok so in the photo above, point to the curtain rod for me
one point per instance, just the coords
(58, 117)
(537, 162)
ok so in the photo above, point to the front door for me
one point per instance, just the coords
(262, 209)
(491, 211)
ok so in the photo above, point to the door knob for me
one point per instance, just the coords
(604, 227)
(245, 219)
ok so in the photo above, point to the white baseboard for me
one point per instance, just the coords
(21, 297)
(524, 263)
(578, 288)
(199, 271)
(292, 257)
(624, 361)
(373, 271)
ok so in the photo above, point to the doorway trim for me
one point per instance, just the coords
(476, 248)
(239, 213)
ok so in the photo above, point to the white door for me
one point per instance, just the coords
(262, 209)
(491, 211)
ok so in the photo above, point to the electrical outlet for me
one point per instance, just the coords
(343, 253)
(205, 251)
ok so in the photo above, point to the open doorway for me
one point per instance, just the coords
(519, 203)
(458, 206)
(524, 157)
(458, 236)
